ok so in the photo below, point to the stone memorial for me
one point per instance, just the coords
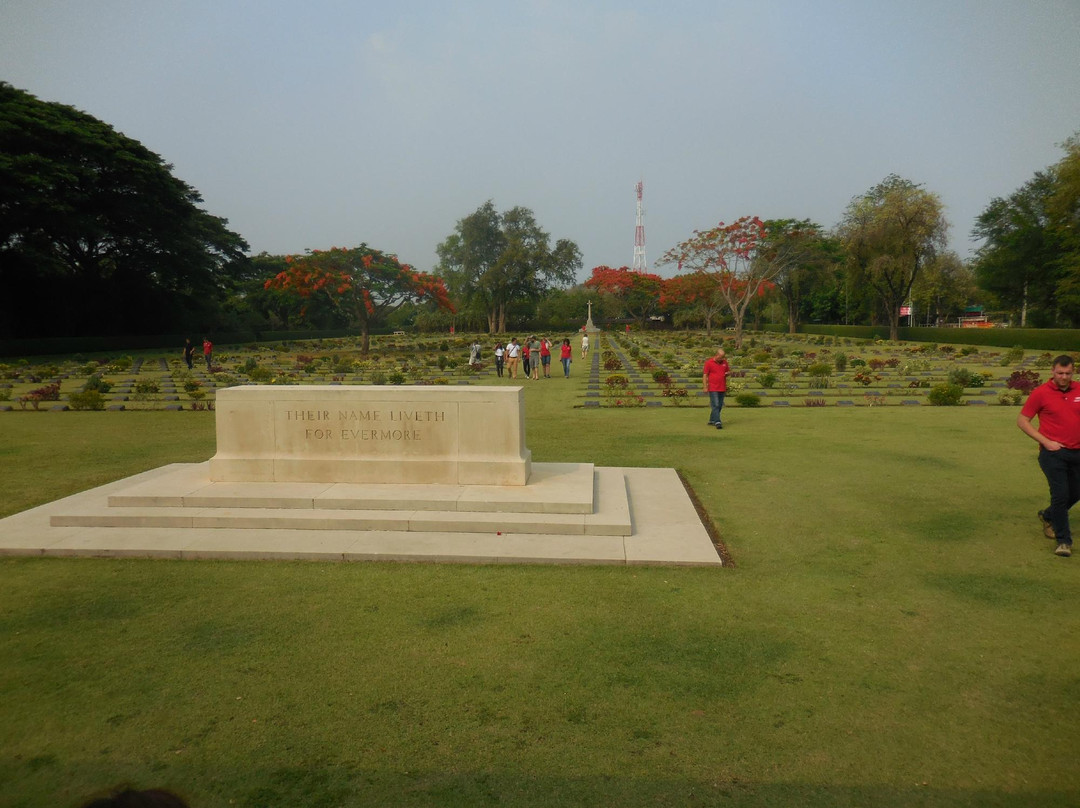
(353, 472)
(371, 434)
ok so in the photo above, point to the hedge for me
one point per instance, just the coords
(64, 346)
(1032, 339)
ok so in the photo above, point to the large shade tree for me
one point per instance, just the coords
(890, 233)
(1017, 262)
(96, 234)
(365, 283)
(800, 254)
(493, 260)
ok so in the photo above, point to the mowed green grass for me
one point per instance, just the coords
(896, 632)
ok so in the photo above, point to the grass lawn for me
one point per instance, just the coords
(896, 632)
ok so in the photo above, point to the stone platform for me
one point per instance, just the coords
(567, 513)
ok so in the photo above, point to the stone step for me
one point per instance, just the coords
(611, 517)
(551, 488)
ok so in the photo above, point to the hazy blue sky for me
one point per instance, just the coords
(316, 123)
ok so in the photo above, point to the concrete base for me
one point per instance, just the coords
(567, 513)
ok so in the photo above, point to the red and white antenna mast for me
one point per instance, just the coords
(639, 233)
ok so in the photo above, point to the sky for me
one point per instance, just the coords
(320, 123)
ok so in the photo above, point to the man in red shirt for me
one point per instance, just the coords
(714, 382)
(1057, 406)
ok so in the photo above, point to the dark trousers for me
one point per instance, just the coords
(498, 366)
(1062, 470)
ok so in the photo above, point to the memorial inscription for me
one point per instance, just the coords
(371, 434)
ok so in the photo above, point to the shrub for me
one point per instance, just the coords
(146, 388)
(946, 395)
(840, 361)
(86, 400)
(965, 378)
(1010, 398)
(678, 395)
(661, 377)
(612, 364)
(617, 381)
(915, 366)
(820, 371)
(50, 392)
(816, 401)
(748, 400)
(396, 378)
(1023, 380)
(97, 383)
(378, 377)
(766, 380)
(858, 363)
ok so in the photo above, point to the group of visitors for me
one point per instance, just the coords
(189, 353)
(532, 356)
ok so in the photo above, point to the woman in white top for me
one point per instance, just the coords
(499, 351)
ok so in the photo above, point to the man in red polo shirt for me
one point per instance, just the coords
(1057, 406)
(714, 382)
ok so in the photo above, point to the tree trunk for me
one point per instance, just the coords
(365, 338)
(792, 315)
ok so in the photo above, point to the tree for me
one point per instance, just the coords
(890, 233)
(944, 288)
(362, 281)
(732, 254)
(637, 293)
(1017, 262)
(1063, 207)
(492, 260)
(96, 234)
(800, 251)
(697, 292)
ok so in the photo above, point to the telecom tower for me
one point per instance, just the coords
(640, 264)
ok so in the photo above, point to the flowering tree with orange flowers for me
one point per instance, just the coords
(697, 291)
(730, 256)
(365, 282)
(638, 293)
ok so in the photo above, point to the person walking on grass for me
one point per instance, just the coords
(714, 382)
(189, 353)
(499, 352)
(566, 356)
(535, 347)
(526, 356)
(1057, 406)
(208, 352)
(584, 345)
(545, 356)
(513, 353)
